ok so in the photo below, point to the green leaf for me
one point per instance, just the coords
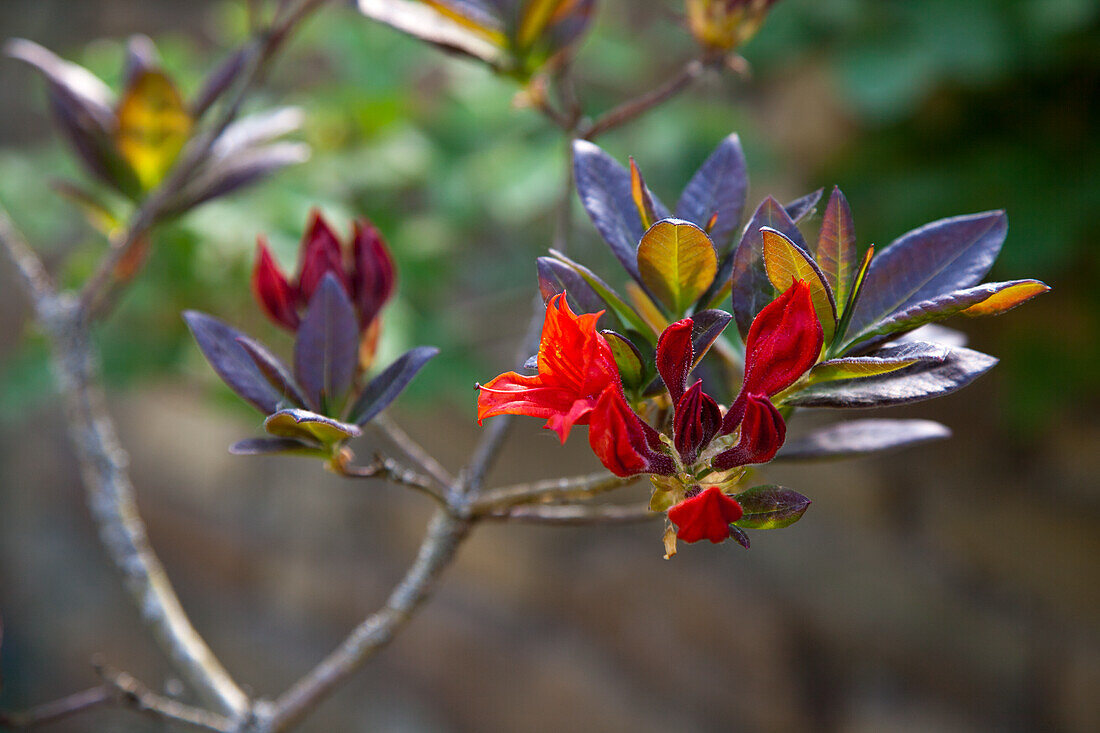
(628, 359)
(836, 246)
(677, 262)
(770, 507)
(785, 262)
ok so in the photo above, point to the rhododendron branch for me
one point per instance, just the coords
(390, 470)
(575, 487)
(413, 450)
(128, 691)
(641, 104)
(100, 289)
(566, 514)
(56, 710)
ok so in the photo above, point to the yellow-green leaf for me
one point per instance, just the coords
(309, 426)
(677, 262)
(153, 125)
(536, 16)
(1007, 299)
(785, 262)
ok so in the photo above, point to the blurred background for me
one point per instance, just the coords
(953, 587)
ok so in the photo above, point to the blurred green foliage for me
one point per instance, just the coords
(918, 110)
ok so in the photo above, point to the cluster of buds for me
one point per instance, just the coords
(723, 25)
(364, 270)
(697, 453)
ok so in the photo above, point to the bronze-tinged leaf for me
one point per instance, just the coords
(536, 15)
(1004, 300)
(646, 309)
(441, 26)
(836, 247)
(643, 201)
(883, 361)
(716, 193)
(309, 427)
(153, 125)
(677, 263)
(786, 262)
(770, 507)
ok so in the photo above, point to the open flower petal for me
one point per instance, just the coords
(705, 516)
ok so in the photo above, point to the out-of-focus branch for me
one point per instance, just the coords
(413, 450)
(390, 470)
(573, 488)
(52, 712)
(564, 514)
(128, 691)
(641, 104)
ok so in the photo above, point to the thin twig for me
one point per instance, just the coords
(413, 450)
(387, 469)
(31, 270)
(569, 514)
(51, 712)
(576, 487)
(133, 694)
(445, 533)
(638, 106)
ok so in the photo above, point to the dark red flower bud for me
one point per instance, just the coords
(675, 356)
(373, 272)
(696, 422)
(784, 341)
(762, 434)
(271, 288)
(622, 441)
(320, 255)
(705, 516)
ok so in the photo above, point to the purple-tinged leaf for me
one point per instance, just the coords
(257, 129)
(604, 187)
(706, 327)
(751, 288)
(912, 384)
(385, 388)
(944, 306)
(934, 333)
(220, 80)
(309, 427)
(888, 359)
(220, 344)
(738, 535)
(141, 56)
(938, 258)
(718, 187)
(556, 277)
(225, 175)
(803, 205)
(770, 507)
(78, 85)
(836, 247)
(861, 437)
(274, 371)
(326, 349)
(276, 446)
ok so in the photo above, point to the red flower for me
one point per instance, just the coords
(705, 516)
(622, 441)
(368, 275)
(575, 367)
(784, 341)
(762, 434)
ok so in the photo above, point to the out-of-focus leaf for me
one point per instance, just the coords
(625, 313)
(95, 212)
(308, 426)
(276, 446)
(770, 507)
(751, 288)
(385, 388)
(718, 187)
(556, 277)
(153, 125)
(883, 361)
(628, 359)
(536, 15)
(429, 24)
(1017, 293)
(706, 327)
(220, 344)
(912, 384)
(933, 333)
(786, 262)
(77, 83)
(274, 371)
(604, 188)
(225, 175)
(677, 263)
(256, 129)
(326, 350)
(803, 205)
(999, 297)
(141, 56)
(861, 437)
(836, 247)
(938, 258)
(220, 80)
